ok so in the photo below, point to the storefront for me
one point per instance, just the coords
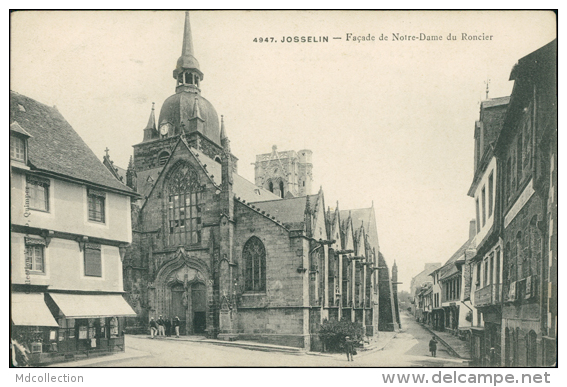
(89, 324)
(33, 326)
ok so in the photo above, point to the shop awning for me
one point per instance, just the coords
(29, 309)
(92, 306)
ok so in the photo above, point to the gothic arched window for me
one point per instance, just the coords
(183, 194)
(271, 187)
(281, 189)
(254, 255)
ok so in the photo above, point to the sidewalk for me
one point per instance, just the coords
(252, 345)
(100, 361)
(454, 345)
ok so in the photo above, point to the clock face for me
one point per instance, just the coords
(164, 129)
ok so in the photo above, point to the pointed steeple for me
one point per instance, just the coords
(131, 177)
(307, 218)
(187, 71)
(152, 120)
(225, 142)
(197, 110)
(150, 129)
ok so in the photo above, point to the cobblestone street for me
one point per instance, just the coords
(408, 348)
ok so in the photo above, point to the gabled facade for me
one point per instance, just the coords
(526, 156)
(230, 258)
(449, 303)
(70, 225)
(416, 287)
(486, 265)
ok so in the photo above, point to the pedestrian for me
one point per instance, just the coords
(167, 326)
(349, 349)
(153, 327)
(176, 324)
(433, 346)
(161, 326)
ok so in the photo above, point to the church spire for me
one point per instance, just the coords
(150, 128)
(187, 72)
(152, 120)
(225, 142)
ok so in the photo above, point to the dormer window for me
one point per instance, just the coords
(17, 148)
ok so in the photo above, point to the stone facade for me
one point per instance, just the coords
(234, 260)
(285, 173)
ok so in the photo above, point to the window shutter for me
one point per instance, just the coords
(93, 262)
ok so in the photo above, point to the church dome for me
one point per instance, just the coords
(194, 112)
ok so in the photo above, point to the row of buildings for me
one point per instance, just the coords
(499, 290)
(97, 250)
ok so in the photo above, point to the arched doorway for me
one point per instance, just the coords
(190, 306)
(199, 307)
(531, 349)
(178, 308)
(507, 349)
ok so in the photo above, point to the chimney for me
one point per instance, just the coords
(472, 229)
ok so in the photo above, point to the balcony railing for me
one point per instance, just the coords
(489, 295)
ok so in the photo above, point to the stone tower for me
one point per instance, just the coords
(186, 113)
(286, 173)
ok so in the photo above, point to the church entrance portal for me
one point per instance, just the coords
(190, 307)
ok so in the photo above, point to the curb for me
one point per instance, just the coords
(240, 344)
(381, 347)
(449, 348)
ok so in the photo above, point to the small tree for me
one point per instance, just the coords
(333, 333)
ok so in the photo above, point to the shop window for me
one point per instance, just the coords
(96, 203)
(93, 260)
(254, 255)
(37, 193)
(113, 327)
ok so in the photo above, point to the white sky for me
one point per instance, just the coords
(389, 122)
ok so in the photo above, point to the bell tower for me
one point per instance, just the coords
(287, 173)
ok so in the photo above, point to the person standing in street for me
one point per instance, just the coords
(349, 348)
(167, 326)
(433, 346)
(161, 326)
(153, 328)
(176, 324)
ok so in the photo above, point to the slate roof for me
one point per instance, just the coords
(56, 147)
(241, 187)
(367, 217)
(291, 212)
(449, 268)
(15, 127)
(493, 112)
(145, 180)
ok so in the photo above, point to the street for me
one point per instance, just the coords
(408, 348)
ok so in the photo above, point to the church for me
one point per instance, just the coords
(232, 259)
